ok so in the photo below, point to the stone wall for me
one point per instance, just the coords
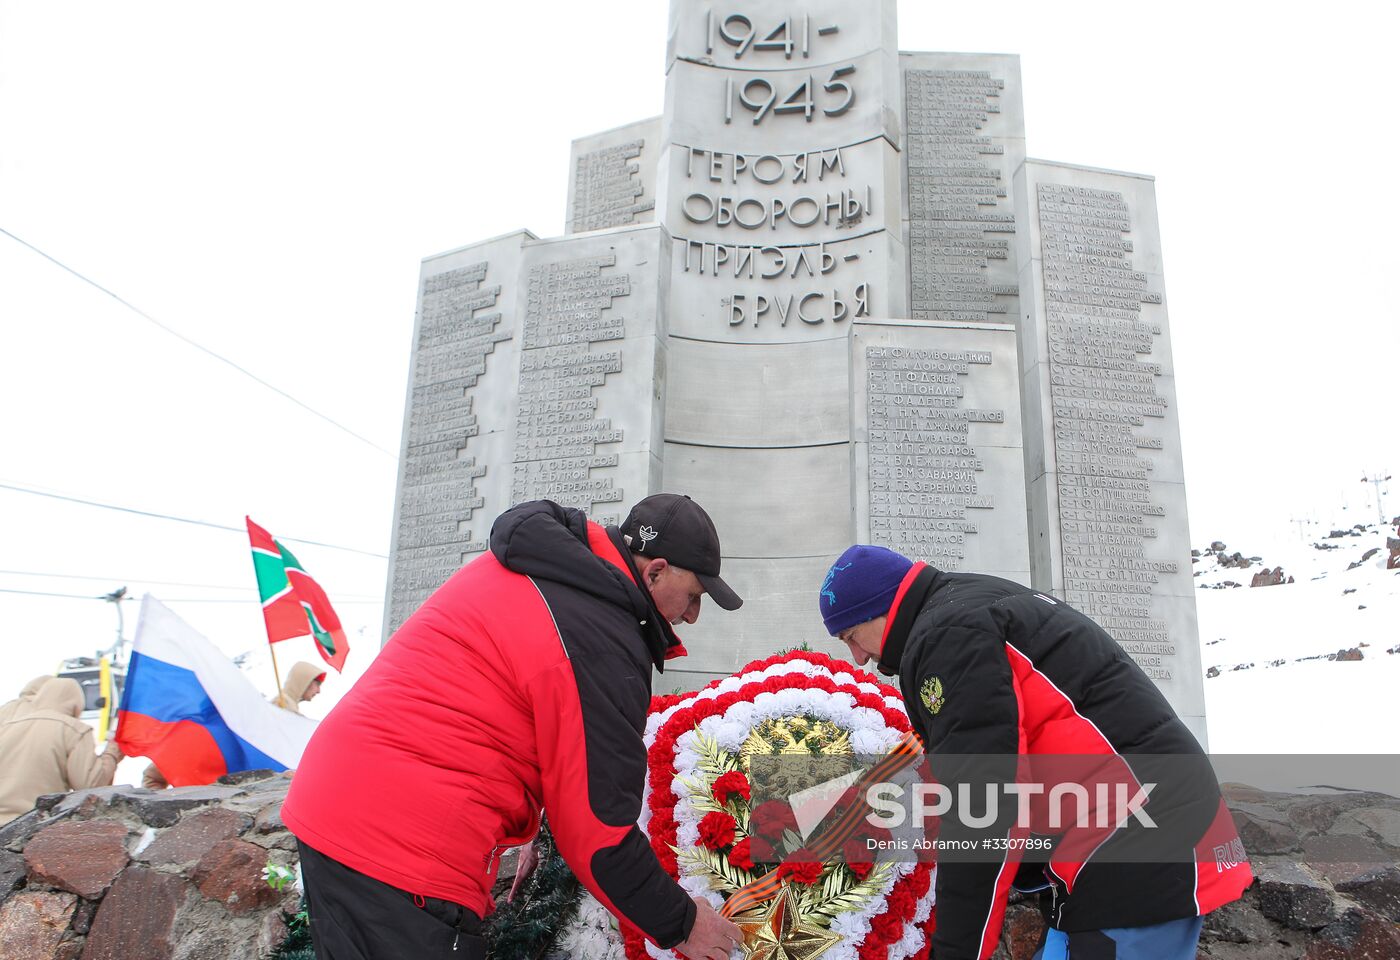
(118, 873)
(121, 872)
(1309, 901)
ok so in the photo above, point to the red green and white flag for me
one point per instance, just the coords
(294, 605)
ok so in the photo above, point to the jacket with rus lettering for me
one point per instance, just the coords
(521, 685)
(990, 667)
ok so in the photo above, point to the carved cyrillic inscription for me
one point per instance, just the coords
(923, 465)
(557, 427)
(959, 212)
(457, 331)
(608, 189)
(1101, 393)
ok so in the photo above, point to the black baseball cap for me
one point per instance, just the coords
(676, 528)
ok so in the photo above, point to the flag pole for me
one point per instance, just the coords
(272, 648)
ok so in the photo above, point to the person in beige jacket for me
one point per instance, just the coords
(49, 750)
(25, 701)
(303, 682)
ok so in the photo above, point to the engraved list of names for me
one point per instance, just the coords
(922, 462)
(557, 428)
(959, 212)
(1103, 394)
(457, 330)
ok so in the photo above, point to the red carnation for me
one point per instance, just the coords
(801, 866)
(887, 927)
(872, 949)
(740, 855)
(858, 858)
(730, 784)
(771, 818)
(717, 830)
(761, 851)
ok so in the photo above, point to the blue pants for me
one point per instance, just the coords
(1173, 940)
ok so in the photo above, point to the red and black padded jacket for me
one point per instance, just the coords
(521, 684)
(1024, 676)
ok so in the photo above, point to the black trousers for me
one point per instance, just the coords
(355, 917)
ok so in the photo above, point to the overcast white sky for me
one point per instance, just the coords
(264, 178)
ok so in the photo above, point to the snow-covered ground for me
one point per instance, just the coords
(1293, 700)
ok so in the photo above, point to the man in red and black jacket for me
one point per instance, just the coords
(519, 688)
(999, 679)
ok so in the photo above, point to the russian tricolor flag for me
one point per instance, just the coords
(193, 712)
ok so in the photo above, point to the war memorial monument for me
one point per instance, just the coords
(826, 294)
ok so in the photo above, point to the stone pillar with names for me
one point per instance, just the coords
(613, 178)
(964, 137)
(1107, 496)
(937, 441)
(451, 477)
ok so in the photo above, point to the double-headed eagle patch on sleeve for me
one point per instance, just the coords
(931, 693)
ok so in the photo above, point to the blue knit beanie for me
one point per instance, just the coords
(860, 586)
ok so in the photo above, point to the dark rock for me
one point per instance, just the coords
(1375, 886)
(231, 872)
(1289, 894)
(1370, 553)
(1381, 821)
(1021, 931)
(1314, 815)
(1349, 655)
(48, 801)
(1357, 935)
(1216, 546)
(269, 819)
(137, 917)
(1213, 672)
(21, 830)
(92, 802)
(1268, 578)
(163, 809)
(1237, 922)
(194, 836)
(1195, 554)
(12, 871)
(82, 857)
(82, 917)
(246, 776)
(272, 935)
(1338, 533)
(33, 922)
(1348, 590)
(1264, 830)
(1354, 564)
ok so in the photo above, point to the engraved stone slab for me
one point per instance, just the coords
(758, 395)
(455, 414)
(964, 138)
(1108, 505)
(612, 180)
(589, 401)
(753, 200)
(784, 294)
(760, 36)
(772, 96)
(720, 642)
(939, 469)
(776, 502)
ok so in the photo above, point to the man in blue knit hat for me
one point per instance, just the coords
(991, 667)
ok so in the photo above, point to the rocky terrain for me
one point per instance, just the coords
(119, 873)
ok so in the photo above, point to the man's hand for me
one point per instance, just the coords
(529, 859)
(711, 936)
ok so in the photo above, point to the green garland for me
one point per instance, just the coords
(526, 928)
(298, 943)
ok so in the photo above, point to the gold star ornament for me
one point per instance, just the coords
(777, 931)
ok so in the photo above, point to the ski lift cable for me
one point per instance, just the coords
(166, 516)
(147, 580)
(199, 346)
